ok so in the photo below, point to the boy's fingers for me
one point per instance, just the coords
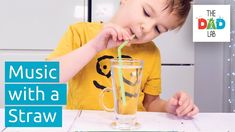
(181, 108)
(194, 111)
(182, 97)
(113, 34)
(187, 109)
(173, 101)
(125, 37)
(122, 34)
(116, 30)
(119, 33)
(172, 105)
(177, 95)
(128, 36)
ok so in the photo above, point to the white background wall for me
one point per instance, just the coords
(37, 24)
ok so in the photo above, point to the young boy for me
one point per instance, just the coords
(85, 51)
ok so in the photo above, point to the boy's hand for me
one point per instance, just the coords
(111, 36)
(181, 104)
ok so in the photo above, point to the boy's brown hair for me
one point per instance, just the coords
(180, 8)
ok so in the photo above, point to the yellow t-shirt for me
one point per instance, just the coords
(86, 85)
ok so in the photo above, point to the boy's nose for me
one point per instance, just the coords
(147, 27)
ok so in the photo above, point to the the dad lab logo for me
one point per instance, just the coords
(211, 23)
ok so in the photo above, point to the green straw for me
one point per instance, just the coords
(120, 69)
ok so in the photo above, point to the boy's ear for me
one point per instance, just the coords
(122, 2)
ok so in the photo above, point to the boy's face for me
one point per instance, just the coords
(147, 19)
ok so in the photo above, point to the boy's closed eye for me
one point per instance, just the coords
(147, 15)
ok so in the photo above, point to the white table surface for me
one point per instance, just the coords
(88, 120)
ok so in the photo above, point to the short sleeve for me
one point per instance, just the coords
(153, 83)
(66, 44)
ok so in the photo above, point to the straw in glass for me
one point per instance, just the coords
(120, 69)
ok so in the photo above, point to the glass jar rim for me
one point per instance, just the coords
(127, 60)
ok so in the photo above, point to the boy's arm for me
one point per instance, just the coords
(154, 103)
(72, 62)
(180, 104)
